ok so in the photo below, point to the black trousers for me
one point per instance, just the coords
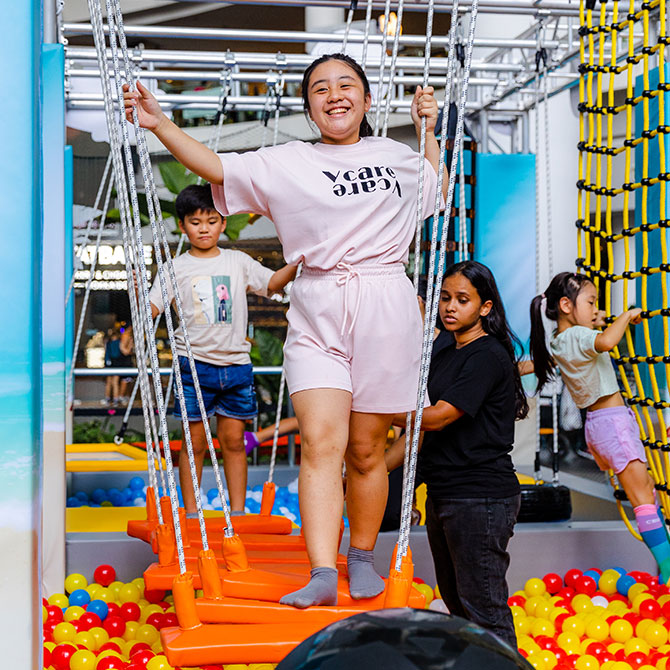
(468, 539)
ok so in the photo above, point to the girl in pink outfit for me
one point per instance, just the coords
(346, 208)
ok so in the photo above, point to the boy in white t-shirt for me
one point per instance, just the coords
(213, 284)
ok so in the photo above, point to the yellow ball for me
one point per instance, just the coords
(159, 663)
(260, 666)
(45, 614)
(537, 662)
(549, 659)
(664, 648)
(75, 581)
(581, 603)
(139, 582)
(109, 652)
(568, 641)
(635, 590)
(620, 665)
(573, 624)
(635, 644)
(85, 638)
(655, 635)
(535, 587)
(131, 630)
(542, 627)
(517, 612)
(156, 647)
(147, 633)
(105, 594)
(532, 603)
(59, 599)
(100, 636)
(422, 588)
(587, 662)
(64, 632)
(118, 641)
(524, 625)
(598, 629)
(556, 612)
(614, 647)
(148, 611)
(93, 589)
(73, 612)
(114, 588)
(170, 599)
(642, 627)
(236, 666)
(638, 600)
(129, 593)
(83, 660)
(544, 609)
(585, 644)
(621, 630)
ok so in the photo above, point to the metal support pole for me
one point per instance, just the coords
(49, 28)
(484, 126)
(525, 133)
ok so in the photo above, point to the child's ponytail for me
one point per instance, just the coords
(563, 285)
(543, 361)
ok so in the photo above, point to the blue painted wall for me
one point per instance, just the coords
(505, 231)
(20, 353)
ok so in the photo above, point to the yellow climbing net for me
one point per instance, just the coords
(629, 257)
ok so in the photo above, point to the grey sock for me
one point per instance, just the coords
(364, 582)
(238, 512)
(321, 590)
(192, 515)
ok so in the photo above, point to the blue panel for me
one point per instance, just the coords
(20, 364)
(654, 287)
(505, 231)
(69, 260)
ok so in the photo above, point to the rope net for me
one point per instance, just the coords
(622, 243)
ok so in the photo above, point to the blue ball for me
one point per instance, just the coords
(98, 607)
(117, 499)
(112, 491)
(80, 597)
(253, 506)
(593, 574)
(211, 494)
(621, 571)
(99, 495)
(80, 495)
(136, 483)
(624, 583)
(74, 502)
(257, 488)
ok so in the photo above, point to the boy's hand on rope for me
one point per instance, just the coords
(149, 112)
(425, 104)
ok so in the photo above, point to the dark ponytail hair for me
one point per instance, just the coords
(495, 322)
(563, 285)
(365, 129)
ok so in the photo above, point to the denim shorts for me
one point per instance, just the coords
(227, 390)
(613, 438)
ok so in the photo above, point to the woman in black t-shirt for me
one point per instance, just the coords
(476, 394)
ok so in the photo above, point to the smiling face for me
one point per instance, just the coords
(584, 310)
(337, 102)
(461, 308)
(203, 229)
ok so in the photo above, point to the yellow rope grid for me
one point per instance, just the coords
(599, 68)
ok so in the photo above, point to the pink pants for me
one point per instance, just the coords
(613, 438)
(356, 328)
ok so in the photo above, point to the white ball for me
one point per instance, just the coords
(293, 486)
(139, 502)
(438, 605)
(600, 601)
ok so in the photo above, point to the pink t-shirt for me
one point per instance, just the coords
(353, 203)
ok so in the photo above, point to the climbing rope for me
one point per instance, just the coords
(435, 274)
(382, 67)
(604, 254)
(366, 36)
(394, 59)
(347, 30)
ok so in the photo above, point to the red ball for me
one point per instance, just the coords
(110, 663)
(114, 625)
(110, 645)
(632, 618)
(104, 575)
(586, 585)
(90, 620)
(558, 621)
(654, 657)
(598, 570)
(571, 577)
(163, 604)
(418, 580)
(154, 595)
(130, 611)
(46, 657)
(54, 613)
(596, 649)
(650, 609)
(571, 660)
(567, 592)
(48, 626)
(620, 655)
(606, 657)
(636, 659)
(553, 582)
(142, 657)
(138, 646)
(523, 652)
(559, 654)
(170, 620)
(516, 601)
(113, 609)
(156, 620)
(220, 667)
(78, 626)
(61, 655)
(134, 666)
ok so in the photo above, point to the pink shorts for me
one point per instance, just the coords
(613, 438)
(356, 328)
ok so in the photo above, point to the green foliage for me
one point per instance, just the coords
(267, 349)
(235, 224)
(93, 432)
(175, 176)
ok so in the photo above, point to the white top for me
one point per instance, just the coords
(213, 294)
(354, 203)
(588, 374)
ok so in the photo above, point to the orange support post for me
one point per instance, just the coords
(268, 499)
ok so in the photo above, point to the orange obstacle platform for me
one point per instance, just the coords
(248, 631)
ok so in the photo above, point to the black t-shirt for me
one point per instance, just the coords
(470, 458)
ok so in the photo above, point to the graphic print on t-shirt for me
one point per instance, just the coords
(364, 179)
(212, 303)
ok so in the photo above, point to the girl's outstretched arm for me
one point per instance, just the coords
(189, 152)
(611, 336)
(435, 417)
